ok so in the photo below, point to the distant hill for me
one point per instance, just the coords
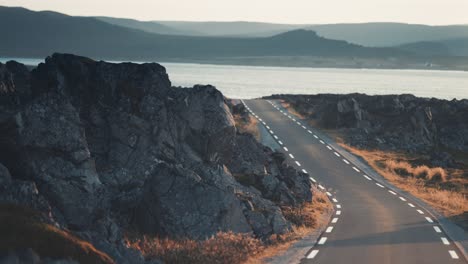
(54, 32)
(237, 29)
(379, 34)
(39, 34)
(389, 34)
(148, 26)
(452, 47)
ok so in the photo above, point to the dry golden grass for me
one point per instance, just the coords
(421, 181)
(222, 248)
(228, 247)
(403, 168)
(249, 126)
(291, 109)
(305, 219)
(21, 229)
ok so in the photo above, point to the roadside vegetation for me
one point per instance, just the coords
(21, 228)
(247, 124)
(228, 247)
(445, 189)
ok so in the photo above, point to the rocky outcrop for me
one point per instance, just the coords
(104, 148)
(391, 122)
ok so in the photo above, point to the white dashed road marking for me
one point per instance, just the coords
(335, 200)
(315, 136)
(392, 192)
(437, 229)
(329, 194)
(321, 187)
(336, 154)
(420, 212)
(329, 229)
(310, 132)
(338, 212)
(312, 179)
(291, 155)
(334, 220)
(411, 205)
(312, 254)
(453, 254)
(338, 206)
(281, 143)
(356, 169)
(328, 147)
(402, 198)
(445, 241)
(322, 240)
(321, 141)
(285, 149)
(298, 164)
(345, 161)
(380, 185)
(367, 177)
(429, 219)
(304, 171)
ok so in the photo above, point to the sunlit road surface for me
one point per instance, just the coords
(372, 223)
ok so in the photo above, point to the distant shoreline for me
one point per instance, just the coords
(32, 62)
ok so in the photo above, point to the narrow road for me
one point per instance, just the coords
(372, 224)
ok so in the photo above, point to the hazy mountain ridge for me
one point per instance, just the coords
(54, 32)
(92, 37)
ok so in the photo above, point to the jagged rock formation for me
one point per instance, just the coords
(103, 148)
(392, 122)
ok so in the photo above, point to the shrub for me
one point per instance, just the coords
(21, 228)
(224, 247)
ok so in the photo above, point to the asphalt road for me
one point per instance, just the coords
(372, 224)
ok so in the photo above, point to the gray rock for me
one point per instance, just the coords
(5, 177)
(101, 148)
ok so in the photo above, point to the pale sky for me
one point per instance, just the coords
(433, 12)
